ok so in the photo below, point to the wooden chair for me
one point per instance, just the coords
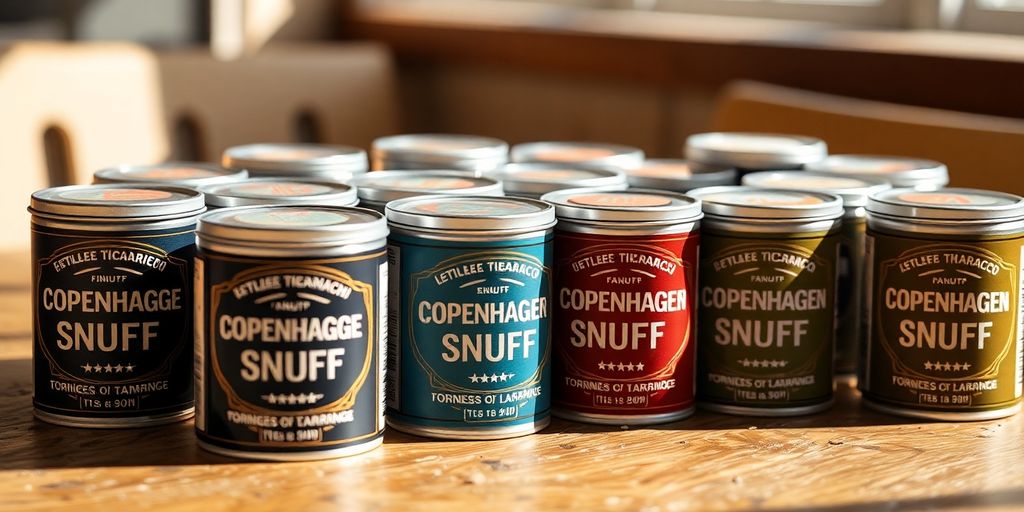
(67, 110)
(981, 151)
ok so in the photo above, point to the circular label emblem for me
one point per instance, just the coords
(948, 198)
(621, 200)
(554, 175)
(474, 208)
(442, 144)
(283, 189)
(117, 194)
(763, 198)
(289, 154)
(664, 170)
(173, 173)
(572, 154)
(868, 165)
(291, 218)
(430, 183)
(752, 142)
(812, 183)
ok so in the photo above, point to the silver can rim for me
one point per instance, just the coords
(213, 229)
(852, 196)
(343, 158)
(767, 412)
(46, 203)
(125, 174)
(369, 186)
(683, 182)
(952, 416)
(567, 413)
(888, 204)
(286, 456)
(831, 206)
(622, 156)
(66, 420)
(525, 429)
(701, 147)
(920, 172)
(405, 147)
(219, 195)
(399, 213)
(605, 178)
(684, 209)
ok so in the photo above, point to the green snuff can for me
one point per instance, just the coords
(767, 300)
(850, 288)
(945, 325)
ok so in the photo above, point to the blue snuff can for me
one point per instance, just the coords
(470, 312)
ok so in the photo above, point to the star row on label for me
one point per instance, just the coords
(292, 399)
(502, 377)
(622, 367)
(954, 367)
(762, 363)
(108, 368)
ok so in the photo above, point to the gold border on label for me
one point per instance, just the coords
(347, 400)
(178, 264)
(438, 382)
(669, 369)
(898, 367)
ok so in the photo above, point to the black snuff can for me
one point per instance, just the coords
(291, 314)
(112, 304)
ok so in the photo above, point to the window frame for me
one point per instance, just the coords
(975, 16)
(881, 14)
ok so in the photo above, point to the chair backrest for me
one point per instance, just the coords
(67, 110)
(981, 151)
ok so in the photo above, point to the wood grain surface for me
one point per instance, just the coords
(846, 459)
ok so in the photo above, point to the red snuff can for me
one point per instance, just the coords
(624, 329)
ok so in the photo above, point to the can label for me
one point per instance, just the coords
(945, 322)
(767, 316)
(292, 358)
(850, 295)
(113, 323)
(470, 333)
(624, 323)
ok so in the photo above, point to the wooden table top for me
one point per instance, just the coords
(846, 459)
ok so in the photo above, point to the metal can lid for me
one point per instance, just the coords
(268, 191)
(678, 175)
(853, 190)
(768, 203)
(947, 204)
(472, 213)
(438, 148)
(295, 159)
(900, 171)
(648, 206)
(745, 150)
(537, 179)
(585, 153)
(117, 201)
(292, 226)
(190, 174)
(384, 186)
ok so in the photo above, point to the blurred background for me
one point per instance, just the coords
(86, 84)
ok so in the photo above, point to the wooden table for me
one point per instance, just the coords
(846, 459)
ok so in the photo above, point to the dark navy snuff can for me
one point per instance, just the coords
(291, 314)
(112, 304)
